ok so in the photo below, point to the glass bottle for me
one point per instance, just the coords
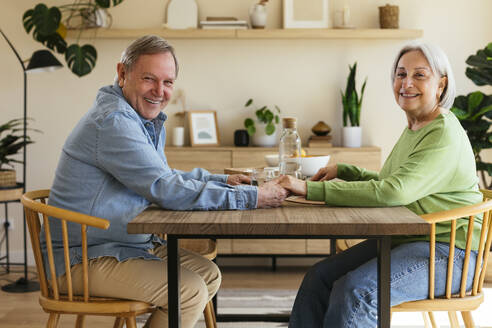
(290, 149)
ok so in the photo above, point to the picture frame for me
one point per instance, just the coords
(306, 14)
(203, 128)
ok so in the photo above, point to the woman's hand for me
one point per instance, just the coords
(237, 179)
(326, 173)
(295, 186)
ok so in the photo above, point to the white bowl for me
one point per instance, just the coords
(271, 159)
(311, 164)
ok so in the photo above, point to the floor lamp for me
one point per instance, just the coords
(41, 61)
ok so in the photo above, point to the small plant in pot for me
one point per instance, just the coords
(265, 135)
(11, 143)
(352, 104)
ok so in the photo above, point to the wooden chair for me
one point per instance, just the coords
(464, 302)
(50, 299)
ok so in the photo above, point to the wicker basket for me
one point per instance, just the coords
(7, 178)
(389, 16)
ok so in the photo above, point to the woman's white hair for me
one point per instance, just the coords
(439, 64)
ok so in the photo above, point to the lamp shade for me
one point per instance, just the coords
(43, 61)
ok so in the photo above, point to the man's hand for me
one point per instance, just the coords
(295, 186)
(237, 179)
(326, 173)
(271, 194)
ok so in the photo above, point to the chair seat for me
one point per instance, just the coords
(467, 303)
(96, 305)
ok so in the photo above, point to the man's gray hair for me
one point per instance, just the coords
(439, 64)
(146, 45)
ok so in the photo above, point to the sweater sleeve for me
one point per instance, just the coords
(349, 172)
(426, 169)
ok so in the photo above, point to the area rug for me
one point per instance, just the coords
(273, 301)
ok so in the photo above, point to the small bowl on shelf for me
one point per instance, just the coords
(271, 159)
(310, 165)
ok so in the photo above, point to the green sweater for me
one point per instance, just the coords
(429, 170)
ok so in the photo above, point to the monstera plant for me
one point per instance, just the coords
(49, 25)
(475, 109)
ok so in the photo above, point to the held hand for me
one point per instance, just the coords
(237, 179)
(295, 186)
(326, 173)
(271, 194)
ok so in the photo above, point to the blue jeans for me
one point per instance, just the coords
(341, 291)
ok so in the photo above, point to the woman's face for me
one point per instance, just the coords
(417, 89)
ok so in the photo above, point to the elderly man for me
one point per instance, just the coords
(113, 166)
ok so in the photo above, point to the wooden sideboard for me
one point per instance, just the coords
(215, 159)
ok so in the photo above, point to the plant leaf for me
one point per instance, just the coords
(249, 102)
(107, 3)
(459, 113)
(248, 122)
(474, 99)
(53, 41)
(44, 20)
(81, 60)
(277, 108)
(269, 129)
(479, 77)
(251, 130)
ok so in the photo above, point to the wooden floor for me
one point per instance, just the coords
(23, 310)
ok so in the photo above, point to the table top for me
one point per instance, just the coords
(290, 220)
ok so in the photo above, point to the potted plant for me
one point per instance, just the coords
(11, 143)
(266, 134)
(475, 109)
(352, 135)
(48, 28)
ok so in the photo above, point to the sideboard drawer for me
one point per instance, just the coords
(189, 159)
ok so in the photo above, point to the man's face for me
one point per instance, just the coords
(148, 86)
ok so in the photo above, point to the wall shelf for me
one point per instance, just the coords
(250, 34)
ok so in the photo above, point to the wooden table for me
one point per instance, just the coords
(287, 222)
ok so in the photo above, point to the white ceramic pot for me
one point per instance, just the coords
(260, 138)
(258, 16)
(352, 136)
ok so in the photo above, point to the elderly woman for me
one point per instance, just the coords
(431, 168)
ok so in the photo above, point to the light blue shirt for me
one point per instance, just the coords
(113, 166)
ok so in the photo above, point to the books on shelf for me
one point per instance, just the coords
(224, 24)
(320, 141)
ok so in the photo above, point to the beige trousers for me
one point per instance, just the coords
(146, 280)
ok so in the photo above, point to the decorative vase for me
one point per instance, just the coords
(258, 16)
(352, 136)
(260, 138)
(7, 178)
(241, 138)
(182, 14)
(321, 129)
(389, 16)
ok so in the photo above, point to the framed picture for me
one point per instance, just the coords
(306, 14)
(203, 128)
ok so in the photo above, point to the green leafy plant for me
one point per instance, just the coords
(350, 100)
(12, 141)
(48, 28)
(475, 109)
(263, 115)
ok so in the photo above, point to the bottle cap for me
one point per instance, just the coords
(289, 122)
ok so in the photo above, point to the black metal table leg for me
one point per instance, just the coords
(173, 283)
(384, 288)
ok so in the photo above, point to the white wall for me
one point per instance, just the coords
(303, 77)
